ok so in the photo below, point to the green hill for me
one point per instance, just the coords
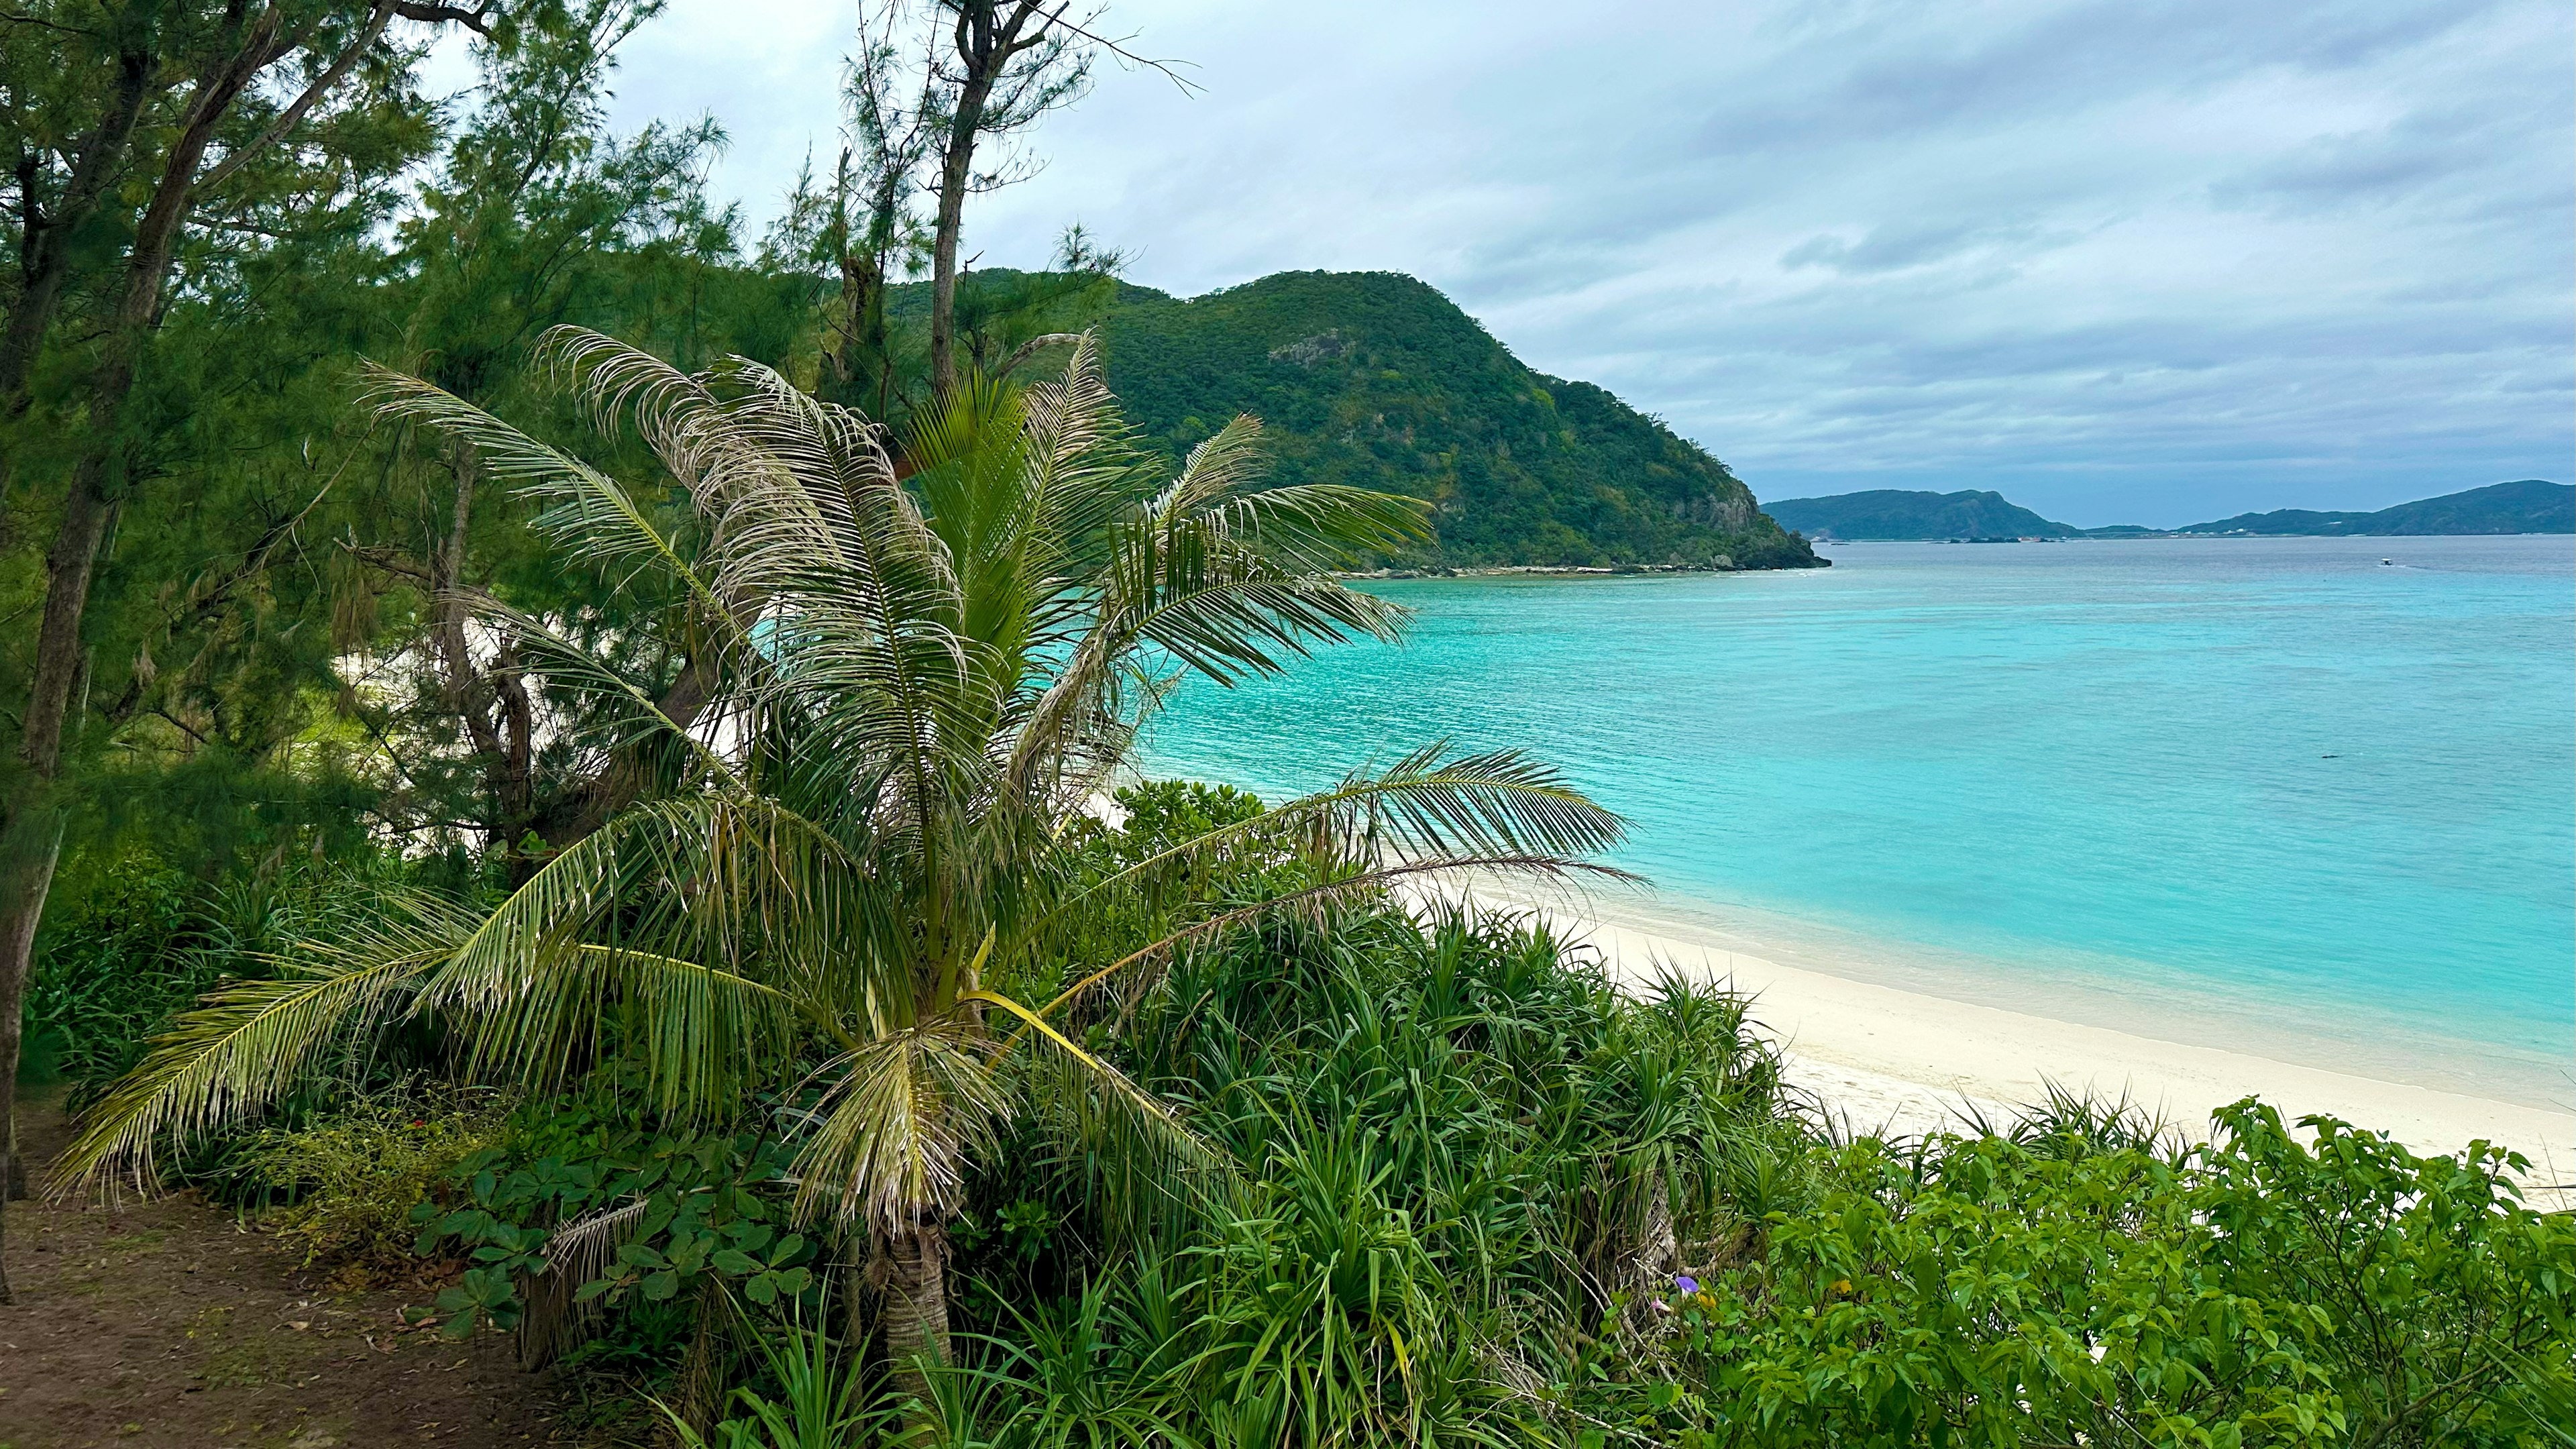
(1377, 380)
(1894, 513)
(2528, 505)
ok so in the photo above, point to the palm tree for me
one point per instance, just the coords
(914, 687)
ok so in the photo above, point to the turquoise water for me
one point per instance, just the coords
(2266, 794)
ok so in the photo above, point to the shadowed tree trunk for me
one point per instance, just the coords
(31, 833)
(915, 1311)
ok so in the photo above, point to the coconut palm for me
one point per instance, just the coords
(913, 686)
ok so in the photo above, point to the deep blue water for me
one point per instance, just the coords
(2264, 793)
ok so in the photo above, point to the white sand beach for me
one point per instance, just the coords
(1880, 1058)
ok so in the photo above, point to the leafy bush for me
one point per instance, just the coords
(2251, 1291)
(594, 1210)
(119, 957)
(129, 943)
(354, 1176)
(1463, 1147)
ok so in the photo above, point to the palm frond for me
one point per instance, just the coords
(647, 925)
(1432, 803)
(908, 1113)
(1356, 884)
(587, 512)
(633, 716)
(254, 1041)
(1429, 811)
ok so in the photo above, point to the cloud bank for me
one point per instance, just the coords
(2124, 263)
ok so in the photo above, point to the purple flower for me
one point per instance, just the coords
(1686, 1285)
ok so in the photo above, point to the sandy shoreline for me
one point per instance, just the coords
(1881, 1058)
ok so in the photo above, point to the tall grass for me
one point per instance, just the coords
(1468, 1158)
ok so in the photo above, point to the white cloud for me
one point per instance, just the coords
(2125, 263)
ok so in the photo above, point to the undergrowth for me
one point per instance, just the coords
(1469, 1191)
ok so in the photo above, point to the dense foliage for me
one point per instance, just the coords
(1487, 1196)
(615, 833)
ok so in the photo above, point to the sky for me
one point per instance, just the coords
(2123, 263)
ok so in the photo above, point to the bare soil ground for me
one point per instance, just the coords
(169, 1323)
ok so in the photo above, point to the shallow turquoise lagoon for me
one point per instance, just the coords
(2268, 794)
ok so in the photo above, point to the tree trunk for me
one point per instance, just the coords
(916, 1306)
(31, 835)
(955, 169)
(986, 41)
(26, 869)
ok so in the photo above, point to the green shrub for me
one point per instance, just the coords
(662, 1211)
(2254, 1291)
(353, 1178)
(121, 954)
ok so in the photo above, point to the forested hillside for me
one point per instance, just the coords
(1376, 380)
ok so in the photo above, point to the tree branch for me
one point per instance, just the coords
(323, 85)
(478, 19)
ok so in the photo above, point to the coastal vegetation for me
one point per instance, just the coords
(570, 750)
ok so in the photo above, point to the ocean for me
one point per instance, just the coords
(2274, 795)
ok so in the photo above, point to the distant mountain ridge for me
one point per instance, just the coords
(2527, 505)
(1895, 513)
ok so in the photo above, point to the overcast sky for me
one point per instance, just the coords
(2124, 262)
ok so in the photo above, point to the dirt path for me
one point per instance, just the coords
(168, 1324)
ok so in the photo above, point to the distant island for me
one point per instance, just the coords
(1894, 513)
(2528, 505)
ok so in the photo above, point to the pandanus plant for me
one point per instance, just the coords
(914, 681)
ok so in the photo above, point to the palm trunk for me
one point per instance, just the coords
(916, 1306)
